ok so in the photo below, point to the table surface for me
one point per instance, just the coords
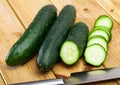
(15, 17)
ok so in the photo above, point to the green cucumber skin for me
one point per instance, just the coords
(27, 45)
(49, 51)
(79, 35)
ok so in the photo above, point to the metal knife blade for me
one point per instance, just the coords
(80, 77)
(93, 76)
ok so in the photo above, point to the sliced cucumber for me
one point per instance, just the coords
(98, 40)
(106, 29)
(95, 54)
(69, 52)
(99, 32)
(74, 45)
(104, 20)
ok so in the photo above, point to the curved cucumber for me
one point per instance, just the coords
(30, 41)
(75, 44)
(49, 51)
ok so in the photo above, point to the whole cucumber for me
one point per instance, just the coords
(49, 51)
(27, 45)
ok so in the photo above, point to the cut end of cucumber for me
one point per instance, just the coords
(95, 54)
(69, 53)
(104, 20)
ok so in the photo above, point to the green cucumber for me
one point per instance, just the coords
(107, 30)
(104, 20)
(95, 54)
(75, 44)
(49, 51)
(98, 39)
(99, 32)
(27, 45)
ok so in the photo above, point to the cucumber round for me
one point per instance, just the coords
(98, 40)
(104, 20)
(99, 32)
(106, 29)
(95, 54)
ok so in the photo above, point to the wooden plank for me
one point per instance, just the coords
(88, 12)
(111, 7)
(27, 9)
(10, 30)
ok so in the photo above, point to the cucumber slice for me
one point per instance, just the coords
(107, 30)
(104, 20)
(99, 32)
(98, 40)
(95, 54)
(69, 52)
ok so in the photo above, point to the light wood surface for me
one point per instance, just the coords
(16, 15)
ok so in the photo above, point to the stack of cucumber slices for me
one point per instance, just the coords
(99, 37)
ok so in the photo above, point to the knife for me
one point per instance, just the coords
(80, 77)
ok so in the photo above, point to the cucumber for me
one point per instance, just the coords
(104, 20)
(75, 44)
(95, 54)
(98, 39)
(49, 51)
(27, 45)
(107, 30)
(99, 32)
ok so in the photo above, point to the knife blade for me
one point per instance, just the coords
(83, 77)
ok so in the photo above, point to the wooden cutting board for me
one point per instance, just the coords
(88, 12)
(16, 15)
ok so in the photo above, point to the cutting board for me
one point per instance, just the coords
(88, 12)
(16, 15)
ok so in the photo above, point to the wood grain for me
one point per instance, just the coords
(25, 10)
(15, 17)
(10, 30)
(1, 81)
(111, 7)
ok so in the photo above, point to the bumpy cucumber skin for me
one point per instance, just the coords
(27, 45)
(79, 35)
(49, 51)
